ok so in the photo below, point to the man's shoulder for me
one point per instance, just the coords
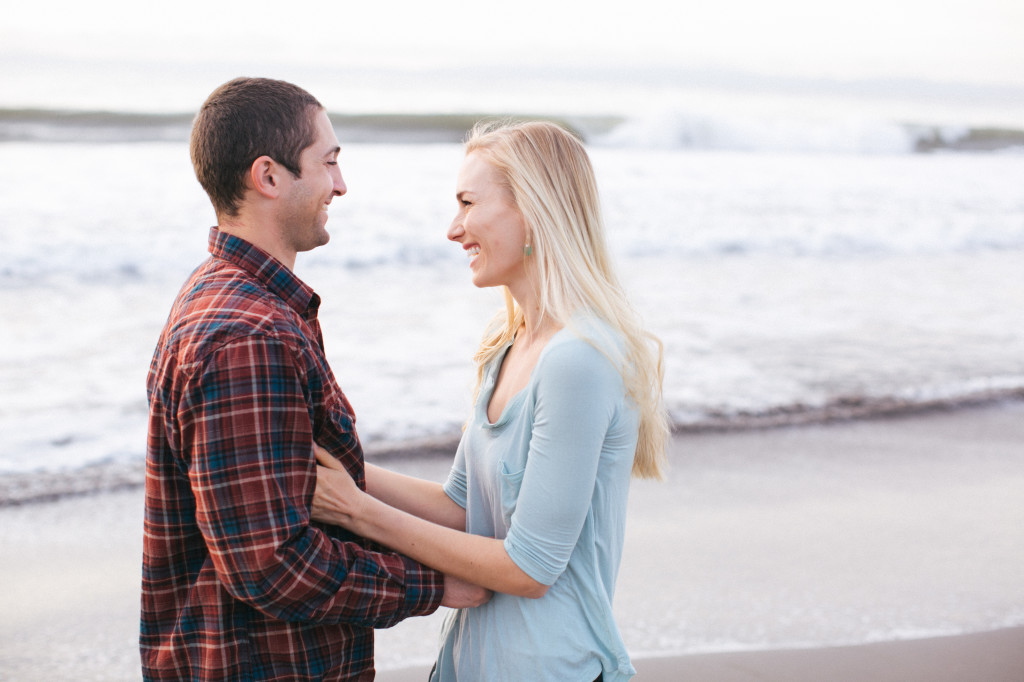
(221, 303)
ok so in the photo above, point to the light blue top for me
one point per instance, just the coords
(551, 478)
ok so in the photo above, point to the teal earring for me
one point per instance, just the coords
(527, 250)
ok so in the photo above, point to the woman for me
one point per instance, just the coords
(568, 404)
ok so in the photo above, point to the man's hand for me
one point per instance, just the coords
(459, 594)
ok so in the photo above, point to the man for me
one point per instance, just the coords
(238, 582)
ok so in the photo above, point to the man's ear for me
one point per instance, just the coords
(264, 177)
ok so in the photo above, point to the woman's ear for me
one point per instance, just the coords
(264, 177)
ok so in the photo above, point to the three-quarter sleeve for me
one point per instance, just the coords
(577, 393)
(456, 486)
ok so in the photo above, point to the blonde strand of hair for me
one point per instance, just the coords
(553, 185)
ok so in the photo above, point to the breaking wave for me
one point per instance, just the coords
(667, 130)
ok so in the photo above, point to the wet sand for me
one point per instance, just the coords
(996, 656)
(783, 543)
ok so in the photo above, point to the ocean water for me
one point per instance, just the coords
(800, 263)
(806, 253)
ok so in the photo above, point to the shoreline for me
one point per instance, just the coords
(118, 475)
(841, 532)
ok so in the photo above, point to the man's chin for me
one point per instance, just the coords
(316, 241)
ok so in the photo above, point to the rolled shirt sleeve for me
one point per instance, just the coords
(253, 474)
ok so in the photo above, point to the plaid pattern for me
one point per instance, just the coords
(238, 583)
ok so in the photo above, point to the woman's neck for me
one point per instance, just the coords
(536, 327)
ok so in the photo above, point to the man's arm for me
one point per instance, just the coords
(247, 434)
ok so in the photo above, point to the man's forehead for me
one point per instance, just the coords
(326, 143)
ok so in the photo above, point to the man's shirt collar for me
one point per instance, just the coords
(266, 269)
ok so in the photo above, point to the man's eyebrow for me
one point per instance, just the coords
(333, 152)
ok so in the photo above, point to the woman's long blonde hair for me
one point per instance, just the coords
(552, 183)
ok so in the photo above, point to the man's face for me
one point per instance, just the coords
(304, 200)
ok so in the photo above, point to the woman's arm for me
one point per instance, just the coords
(473, 558)
(419, 497)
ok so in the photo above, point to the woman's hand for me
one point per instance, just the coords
(460, 594)
(337, 500)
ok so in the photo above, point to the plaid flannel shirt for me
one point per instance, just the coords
(238, 583)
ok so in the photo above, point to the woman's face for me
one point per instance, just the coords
(489, 227)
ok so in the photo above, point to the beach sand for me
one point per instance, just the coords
(995, 656)
(772, 547)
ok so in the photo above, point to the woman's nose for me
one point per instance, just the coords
(455, 230)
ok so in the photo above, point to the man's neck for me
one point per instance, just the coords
(261, 236)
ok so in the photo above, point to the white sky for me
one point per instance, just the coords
(976, 41)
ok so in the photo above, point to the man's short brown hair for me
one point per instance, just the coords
(242, 120)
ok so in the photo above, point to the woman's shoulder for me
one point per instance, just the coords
(587, 331)
(584, 344)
